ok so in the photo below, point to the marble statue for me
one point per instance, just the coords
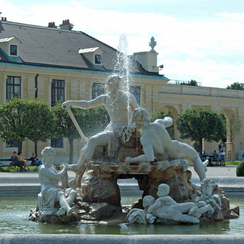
(157, 143)
(207, 186)
(120, 106)
(141, 216)
(54, 198)
(166, 208)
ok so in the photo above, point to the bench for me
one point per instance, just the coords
(5, 162)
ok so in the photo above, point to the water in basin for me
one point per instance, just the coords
(14, 211)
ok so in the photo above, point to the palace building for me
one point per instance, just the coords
(58, 64)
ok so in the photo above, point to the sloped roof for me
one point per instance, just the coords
(46, 46)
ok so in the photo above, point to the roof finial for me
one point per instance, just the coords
(152, 44)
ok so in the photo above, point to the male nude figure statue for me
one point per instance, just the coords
(157, 142)
(120, 106)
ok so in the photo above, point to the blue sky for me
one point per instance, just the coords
(196, 39)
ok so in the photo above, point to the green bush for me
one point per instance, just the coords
(240, 169)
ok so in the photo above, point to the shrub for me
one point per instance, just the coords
(240, 169)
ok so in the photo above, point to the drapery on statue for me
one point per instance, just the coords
(157, 143)
(120, 107)
(51, 192)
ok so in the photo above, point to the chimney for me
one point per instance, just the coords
(66, 25)
(148, 60)
(52, 25)
(4, 19)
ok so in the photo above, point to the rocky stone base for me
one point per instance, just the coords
(99, 198)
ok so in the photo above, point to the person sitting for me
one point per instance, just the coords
(21, 160)
(204, 156)
(35, 161)
(215, 158)
(14, 160)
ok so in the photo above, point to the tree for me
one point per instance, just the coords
(91, 121)
(190, 83)
(160, 114)
(234, 125)
(201, 123)
(25, 119)
(236, 86)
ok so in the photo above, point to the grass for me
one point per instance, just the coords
(232, 162)
(14, 168)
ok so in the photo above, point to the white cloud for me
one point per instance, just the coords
(189, 49)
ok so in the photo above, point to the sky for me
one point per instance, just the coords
(201, 40)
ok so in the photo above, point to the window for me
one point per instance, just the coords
(97, 90)
(57, 91)
(11, 143)
(136, 91)
(58, 143)
(98, 59)
(13, 87)
(13, 50)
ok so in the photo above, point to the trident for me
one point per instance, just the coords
(76, 125)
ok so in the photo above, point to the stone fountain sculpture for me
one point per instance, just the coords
(54, 199)
(166, 209)
(143, 151)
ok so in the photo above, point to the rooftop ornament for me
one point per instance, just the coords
(152, 44)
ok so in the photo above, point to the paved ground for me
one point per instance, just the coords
(225, 177)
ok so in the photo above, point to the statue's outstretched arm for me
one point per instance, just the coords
(167, 121)
(98, 101)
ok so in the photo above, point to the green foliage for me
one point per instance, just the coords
(190, 83)
(240, 169)
(232, 162)
(15, 168)
(22, 119)
(236, 86)
(160, 114)
(234, 125)
(196, 124)
(64, 126)
(95, 120)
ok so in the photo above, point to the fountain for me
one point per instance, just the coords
(143, 151)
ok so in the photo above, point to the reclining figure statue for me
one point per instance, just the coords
(156, 142)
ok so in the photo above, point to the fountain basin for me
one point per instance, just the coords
(14, 213)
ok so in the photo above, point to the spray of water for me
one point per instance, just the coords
(122, 66)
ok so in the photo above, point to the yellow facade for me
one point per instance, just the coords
(155, 94)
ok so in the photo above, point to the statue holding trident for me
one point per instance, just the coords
(120, 106)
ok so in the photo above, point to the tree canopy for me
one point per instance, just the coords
(22, 119)
(201, 123)
(236, 86)
(190, 83)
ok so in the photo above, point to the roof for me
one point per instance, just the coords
(44, 46)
